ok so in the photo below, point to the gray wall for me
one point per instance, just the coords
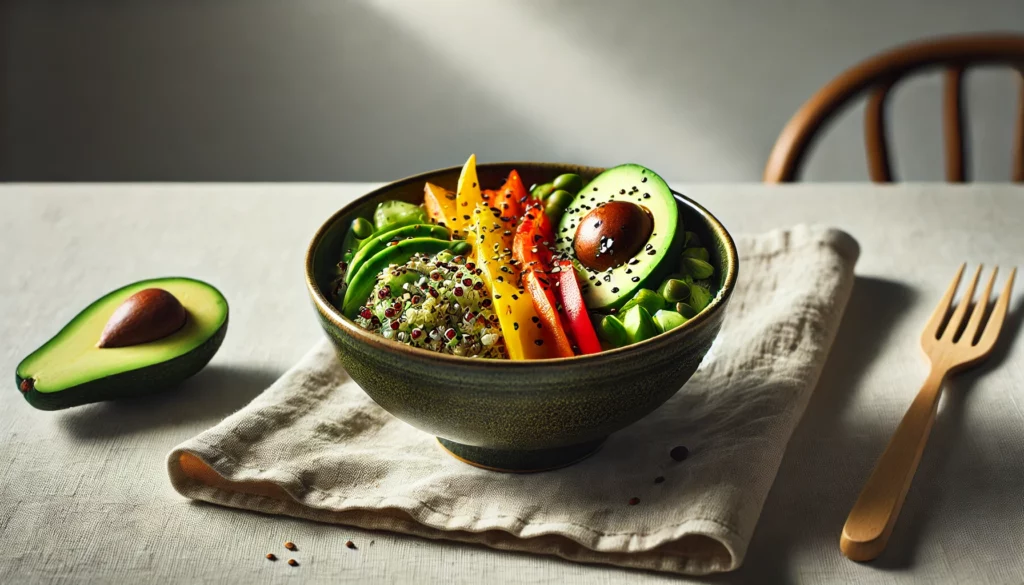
(321, 90)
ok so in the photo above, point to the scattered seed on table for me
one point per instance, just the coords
(679, 453)
(293, 562)
(271, 557)
(659, 479)
(290, 545)
(634, 501)
(350, 544)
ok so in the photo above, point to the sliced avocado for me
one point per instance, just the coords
(364, 280)
(624, 230)
(378, 242)
(70, 369)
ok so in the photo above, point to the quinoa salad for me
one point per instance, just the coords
(561, 269)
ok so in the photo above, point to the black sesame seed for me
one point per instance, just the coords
(538, 341)
(515, 326)
(615, 289)
(635, 279)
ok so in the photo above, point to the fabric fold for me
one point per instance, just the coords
(314, 446)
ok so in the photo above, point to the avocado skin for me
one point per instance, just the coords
(154, 378)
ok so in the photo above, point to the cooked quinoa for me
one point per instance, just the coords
(437, 303)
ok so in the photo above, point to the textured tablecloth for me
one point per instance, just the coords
(84, 496)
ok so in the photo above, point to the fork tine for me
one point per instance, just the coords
(961, 309)
(931, 330)
(979, 310)
(995, 322)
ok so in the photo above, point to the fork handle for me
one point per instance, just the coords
(872, 518)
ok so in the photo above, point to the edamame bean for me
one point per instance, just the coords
(612, 332)
(542, 191)
(674, 291)
(362, 228)
(569, 182)
(557, 203)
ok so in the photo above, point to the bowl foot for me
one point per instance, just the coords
(516, 461)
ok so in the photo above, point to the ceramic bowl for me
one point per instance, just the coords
(516, 415)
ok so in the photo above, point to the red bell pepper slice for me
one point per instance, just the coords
(530, 249)
(511, 199)
(575, 310)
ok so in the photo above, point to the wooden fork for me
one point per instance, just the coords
(872, 518)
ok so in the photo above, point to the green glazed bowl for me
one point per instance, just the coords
(516, 415)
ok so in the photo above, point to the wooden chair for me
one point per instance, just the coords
(878, 75)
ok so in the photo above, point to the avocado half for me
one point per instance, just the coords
(632, 183)
(69, 369)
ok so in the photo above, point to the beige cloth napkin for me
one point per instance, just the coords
(313, 445)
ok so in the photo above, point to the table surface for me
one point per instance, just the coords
(84, 494)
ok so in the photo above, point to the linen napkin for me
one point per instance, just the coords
(313, 445)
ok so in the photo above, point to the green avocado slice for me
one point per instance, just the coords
(645, 269)
(364, 280)
(378, 242)
(69, 370)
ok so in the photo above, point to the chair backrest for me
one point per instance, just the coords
(879, 74)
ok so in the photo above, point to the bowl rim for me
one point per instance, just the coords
(331, 313)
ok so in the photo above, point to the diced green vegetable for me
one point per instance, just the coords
(611, 331)
(697, 268)
(667, 320)
(700, 296)
(646, 298)
(686, 310)
(698, 253)
(639, 324)
(673, 290)
(392, 214)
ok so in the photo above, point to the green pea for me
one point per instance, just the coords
(569, 182)
(686, 310)
(698, 253)
(462, 248)
(700, 296)
(362, 228)
(697, 268)
(542, 191)
(667, 320)
(674, 291)
(611, 331)
(645, 298)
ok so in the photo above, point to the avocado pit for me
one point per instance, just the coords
(611, 234)
(147, 315)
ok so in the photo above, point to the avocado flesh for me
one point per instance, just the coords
(645, 188)
(69, 369)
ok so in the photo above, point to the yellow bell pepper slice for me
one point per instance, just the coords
(467, 196)
(521, 326)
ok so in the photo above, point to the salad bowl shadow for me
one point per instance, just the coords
(508, 415)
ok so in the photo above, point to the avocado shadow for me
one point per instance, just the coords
(205, 398)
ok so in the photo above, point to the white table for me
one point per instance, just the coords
(84, 495)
